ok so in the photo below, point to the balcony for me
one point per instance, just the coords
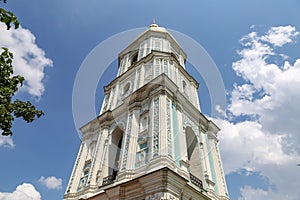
(109, 179)
(196, 181)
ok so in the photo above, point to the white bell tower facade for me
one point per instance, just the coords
(150, 140)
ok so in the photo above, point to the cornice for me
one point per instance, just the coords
(147, 59)
(160, 85)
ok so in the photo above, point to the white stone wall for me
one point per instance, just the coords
(154, 113)
(143, 74)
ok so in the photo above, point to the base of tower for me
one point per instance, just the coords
(162, 184)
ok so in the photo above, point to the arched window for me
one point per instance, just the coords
(193, 153)
(115, 149)
(114, 156)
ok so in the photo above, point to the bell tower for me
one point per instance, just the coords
(150, 139)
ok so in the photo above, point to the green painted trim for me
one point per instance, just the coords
(211, 164)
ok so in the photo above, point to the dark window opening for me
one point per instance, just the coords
(134, 58)
(114, 156)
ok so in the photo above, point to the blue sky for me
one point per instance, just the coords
(259, 138)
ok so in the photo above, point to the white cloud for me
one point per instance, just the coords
(255, 146)
(256, 150)
(271, 91)
(51, 182)
(281, 35)
(6, 141)
(25, 191)
(261, 132)
(29, 60)
(248, 193)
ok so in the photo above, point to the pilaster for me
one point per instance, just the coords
(79, 173)
(96, 160)
(73, 182)
(126, 143)
(133, 140)
(207, 172)
(103, 165)
(181, 139)
(202, 157)
(163, 144)
(114, 100)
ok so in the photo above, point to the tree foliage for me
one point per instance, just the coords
(9, 85)
(8, 18)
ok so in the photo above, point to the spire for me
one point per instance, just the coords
(153, 24)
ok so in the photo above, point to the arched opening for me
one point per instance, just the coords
(114, 150)
(114, 155)
(193, 153)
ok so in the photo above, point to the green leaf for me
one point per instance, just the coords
(9, 85)
(8, 18)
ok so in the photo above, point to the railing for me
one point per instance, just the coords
(196, 181)
(109, 179)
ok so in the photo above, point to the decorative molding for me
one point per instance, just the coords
(95, 155)
(75, 169)
(144, 108)
(169, 133)
(148, 72)
(110, 103)
(188, 122)
(155, 127)
(127, 140)
(105, 105)
(138, 78)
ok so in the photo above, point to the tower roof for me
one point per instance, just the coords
(154, 30)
